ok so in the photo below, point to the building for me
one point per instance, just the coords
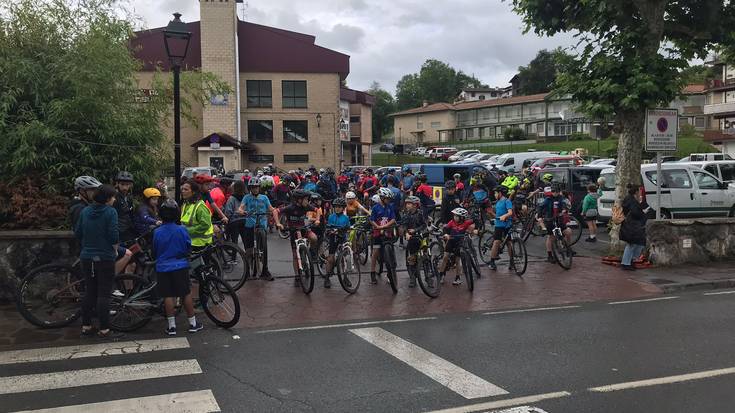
(419, 125)
(484, 93)
(720, 105)
(691, 107)
(288, 108)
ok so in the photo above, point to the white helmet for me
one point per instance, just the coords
(259, 173)
(461, 212)
(385, 193)
(86, 182)
(350, 195)
(376, 199)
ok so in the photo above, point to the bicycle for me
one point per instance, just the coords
(388, 256)
(560, 249)
(429, 280)
(517, 251)
(231, 257)
(139, 301)
(255, 260)
(303, 260)
(465, 257)
(360, 237)
(347, 264)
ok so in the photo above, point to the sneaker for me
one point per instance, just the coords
(457, 281)
(551, 259)
(429, 282)
(89, 332)
(627, 268)
(110, 335)
(493, 266)
(373, 278)
(195, 328)
(412, 283)
(573, 252)
(441, 278)
(266, 275)
(297, 281)
(171, 331)
(327, 283)
(590, 239)
(118, 293)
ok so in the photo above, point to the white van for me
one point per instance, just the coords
(723, 170)
(686, 191)
(515, 162)
(699, 157)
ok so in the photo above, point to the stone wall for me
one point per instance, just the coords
(21, 251)
(679, 241)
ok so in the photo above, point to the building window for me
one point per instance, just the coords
(436, 125)
(294, 93)
(482, 97)
(419, 122)
(261, 158)
(563, 129)
(259, 94)
(483, 132)
(260, 130)
(469, 133)
(699, 122)
(295, 158)
(354, 119)
(295, 131)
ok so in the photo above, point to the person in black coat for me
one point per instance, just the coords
(633, 228)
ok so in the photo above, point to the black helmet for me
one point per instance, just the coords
(169, 211)
(422, 178)
(315, 196)
(339, 202)
(124, 176)
(300, 193)
(502, 189)
(450, 184)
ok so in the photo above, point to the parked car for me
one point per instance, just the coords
(574, 180)
(446, 154)
(567, 160)
(604, 161)
(429, 152)
(384, 170)
(402, 149)
(199, 170)
(476, 158)
(419, 151)
(515, 162)
(438, 153)
(686, 191)
(723, 170)
(698, 157)
(386, 147)
(463, 154)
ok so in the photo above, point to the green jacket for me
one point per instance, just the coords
(198, 223)
(589, 202)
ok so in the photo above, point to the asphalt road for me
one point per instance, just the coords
(668, 354)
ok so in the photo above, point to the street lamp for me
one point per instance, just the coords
(176, 38)
(318, 120)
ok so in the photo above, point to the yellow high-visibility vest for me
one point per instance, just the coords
(188, 217)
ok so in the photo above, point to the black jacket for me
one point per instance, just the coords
(449, 202)
(633, 228)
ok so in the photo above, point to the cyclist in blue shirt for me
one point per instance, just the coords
(408, 180)
(382, 219)
(503, 222)
(308, 183)
(337, 225)
(253, 204)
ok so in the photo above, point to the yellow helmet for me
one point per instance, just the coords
(151, 192)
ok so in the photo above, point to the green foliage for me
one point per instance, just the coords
(384, 106)
(514, 134)
(541, 72)
(68, 104)
(697, 74)
(435, 82)
(579, 136)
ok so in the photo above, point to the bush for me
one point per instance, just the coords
(514, 134)
(579, 136)
(28, 206)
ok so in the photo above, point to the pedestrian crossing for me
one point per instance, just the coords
(198, 401)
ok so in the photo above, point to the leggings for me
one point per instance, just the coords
(98, 277)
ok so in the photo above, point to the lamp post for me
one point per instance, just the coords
(176, 39)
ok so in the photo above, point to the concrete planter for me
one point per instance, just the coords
(21, 251)
(696, 241)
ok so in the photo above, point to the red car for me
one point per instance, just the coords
(564, 160)
(449, 152)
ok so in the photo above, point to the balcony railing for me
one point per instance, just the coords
(718, 135)
(718, 83)
(719, 108)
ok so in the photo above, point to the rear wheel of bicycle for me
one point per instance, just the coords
(519, 257)
(576, 227)
(133, 308)
(473, 258)
(50, 296)
(361, 247)
(283, 233)
(261, 245)
(348, 270)
(485, 245)
(321, 259)
(436, 252)
(233, 262)
(562, 252)
(219, 302)
(428, 277)
(389, 259)
(468, 271)
(306, 274)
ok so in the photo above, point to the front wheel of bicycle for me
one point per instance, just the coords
(562, 252)
(428, 277)
(467, 269)
(283, 233)
(306, 273)
(321, 259)
(389, 258)
(485, 245)
(576, 227)
(361, 247)
(219, 302)
(519, 257)
(50, 296)
(131, 307)
(473, 259)
(348, 270)
(233, 262)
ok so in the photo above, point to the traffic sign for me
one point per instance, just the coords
(662, 126)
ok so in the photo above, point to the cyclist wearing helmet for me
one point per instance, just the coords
(204, 183)
(391, 174)
(426, 194)
(85, 187)
(124, 205)
(308, 183)
(147, 213)
(554, 212)
(412, 221)
(459, 225)
(235, 229)
(343, 181)
(337, 224)
(354, 207)
(252, 204)
(282, 191)
(459, 184)
(503, 222)
(368, 184)
(450, 200)
(407, 181)
(511, 182)
(316, 217)
(295, 214)
(382, 219)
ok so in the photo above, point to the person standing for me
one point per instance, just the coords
(589, 211)
(124, 205)
(97, 229)
(195, 216)
(633, 228)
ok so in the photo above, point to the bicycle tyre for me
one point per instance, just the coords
(347, 263)
(259, 252)
(473, 259)
(283, 233)
(213, 291)
(467, 269)
(562, 253)
(306, 274)
(26, 289)
(485, 245)
(436, 252)
(575, 225)
(428, 277)
(361, 246)
(389, 258)
(138, 312)
(230, 256)
(519, 256)
(321, 258)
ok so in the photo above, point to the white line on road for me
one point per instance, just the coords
(91, 350)
(721, 292)
(201, 401)
(103, 375)
(445, 373)
(526, 310)
(499, 404)
(643, 301)
(366, 323)
(663, 380)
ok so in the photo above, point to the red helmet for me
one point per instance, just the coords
(203, 179)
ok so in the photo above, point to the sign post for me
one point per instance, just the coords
(662, 126)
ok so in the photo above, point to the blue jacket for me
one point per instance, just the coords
(97, 231)
(171, 247)
(144, 219)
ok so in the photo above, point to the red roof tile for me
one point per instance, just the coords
(434, 107)
(501, 102)
(693, 89)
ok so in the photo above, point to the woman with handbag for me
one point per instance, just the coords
(589, 211)
(633, 227)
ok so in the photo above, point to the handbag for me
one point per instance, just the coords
(591, 213)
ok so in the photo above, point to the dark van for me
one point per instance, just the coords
(575, 179)
(438, 174)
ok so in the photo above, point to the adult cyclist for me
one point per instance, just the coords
(252, 204)
(554, 212)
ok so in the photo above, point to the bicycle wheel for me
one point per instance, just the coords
(389, 258)
(50, 296)
(518, 255)
(436, 251)
(321, 259)
(306, 274)
(361, 246)
(283, 233)
(485, 245)
(135, 307)
(233, 262)
(576, 227)
(427, 277)
(467, 269)
(348, 270)
(562, 252)
(219, 301)
(261, 246)
(473, 258)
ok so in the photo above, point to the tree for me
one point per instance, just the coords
(540, 74)
(68, 95)
(384, 106)
(408, 92)
(697, 74)
(435, 82)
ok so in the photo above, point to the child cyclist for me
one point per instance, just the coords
(382, 219)
(554, 212)
(295, 214)
(412, 222)
(503, 222)
(252, 204)
(354, 207)
(337, 225)
(453, 232)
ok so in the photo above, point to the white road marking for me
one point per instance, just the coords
(201, 401)
(91, 350)
(103, 375)
(663, 380)
(366, 323)
(521, 409)
(643, 301)
(527, 310)
(721, 292)
(499, 404)
(445, 373)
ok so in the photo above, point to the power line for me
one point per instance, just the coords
(113, 145)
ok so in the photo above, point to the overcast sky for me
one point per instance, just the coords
(387, 39)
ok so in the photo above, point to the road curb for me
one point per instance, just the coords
(695, 286)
